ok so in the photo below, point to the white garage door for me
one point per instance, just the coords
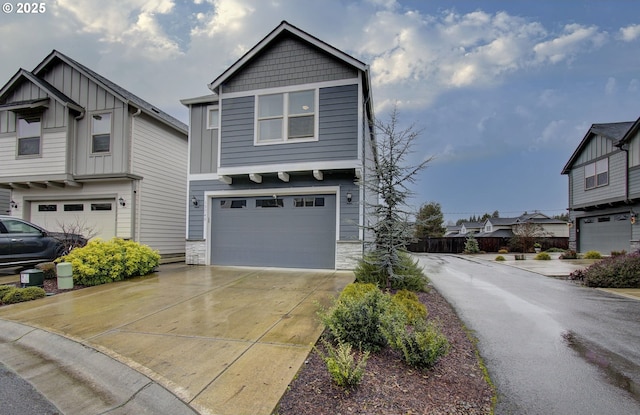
(287, 231)
(97, 217)
(605, 233)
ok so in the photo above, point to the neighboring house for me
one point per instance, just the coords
(504, 227)
(78, 150)
(604, 188)
(275, 157)
(452, 230)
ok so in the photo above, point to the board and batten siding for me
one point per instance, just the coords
(55, 116)
(349, 213)
(288, 61)
(159, 155)
(203, 143)
(615, 190)
(94, 99)
(52, 160)
(337, 132)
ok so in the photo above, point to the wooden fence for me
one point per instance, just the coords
(490, 244)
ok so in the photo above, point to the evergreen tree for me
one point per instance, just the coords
(430, 221)
(392, 176)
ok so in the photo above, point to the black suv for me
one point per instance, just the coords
(24, 243)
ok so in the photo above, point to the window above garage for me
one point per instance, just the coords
(286, 117)
(596, 174)
(101, 133)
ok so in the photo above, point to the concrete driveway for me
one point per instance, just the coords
(224, 340)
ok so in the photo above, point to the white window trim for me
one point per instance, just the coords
(18, 137)
(595, 176)
(209, 109)
(285, 117)
(101, 153)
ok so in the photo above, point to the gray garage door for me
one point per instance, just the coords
(605, 233)
(286, 231)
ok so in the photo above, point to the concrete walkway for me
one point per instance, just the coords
(223, 340)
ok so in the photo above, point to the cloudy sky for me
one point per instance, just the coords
(502, 91)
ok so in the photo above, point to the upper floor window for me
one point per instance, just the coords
(29, 135)
(596, 174)
(212, 118)
(101, 133)
(286, 117)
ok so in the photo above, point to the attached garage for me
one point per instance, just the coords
(291, 231)
(605, 233)
(97, 216)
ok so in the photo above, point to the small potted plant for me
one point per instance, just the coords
(537, 247)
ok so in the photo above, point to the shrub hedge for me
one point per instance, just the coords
(18, 295)
(101, 262)
(409, 275)
(622, 271)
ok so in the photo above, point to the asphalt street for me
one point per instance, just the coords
(19, 397)
(550, 346)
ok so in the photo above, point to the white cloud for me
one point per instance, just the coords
(131, 23)
(575, 39)
(630, 33)
(611, 86)
(226, 16)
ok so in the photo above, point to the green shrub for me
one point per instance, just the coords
(357, 290)
(555, 250)
(570, 254)
(101, 262)
(409, 274)
(500, 258)
(421, 346)
(503, 251)
(592, 255)
(4, 289)
(618, 253)
(622, 271)
(542, 256)
(356, 318)
(342, 365)
(410, 306)
(48, 270)
(18, 295)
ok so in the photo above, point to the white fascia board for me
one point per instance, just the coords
(290, 167)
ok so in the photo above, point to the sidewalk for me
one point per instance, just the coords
(556, 268)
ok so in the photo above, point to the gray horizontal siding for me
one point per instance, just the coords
(337, 132)
(288, 61)
(634, 183)
(615, 190)
(349, 213)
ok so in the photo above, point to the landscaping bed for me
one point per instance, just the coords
(457, 384)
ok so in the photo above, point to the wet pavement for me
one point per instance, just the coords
(550, 346)
(223, 340)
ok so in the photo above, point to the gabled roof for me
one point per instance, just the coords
(287, 27)
(116, 90)
(630, 133)
(23, 75)
(614, 131)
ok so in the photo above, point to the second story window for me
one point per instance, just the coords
(29, 135)
(101, 133)
(212, 118)
(596, 174)
(286, 117)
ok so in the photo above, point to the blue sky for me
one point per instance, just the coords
(503, 91)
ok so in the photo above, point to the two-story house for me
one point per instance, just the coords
(276, 155)
(604, 189)
(78, 151)
(504, 227)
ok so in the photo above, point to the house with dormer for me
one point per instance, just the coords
(277, 150)
(604, 189)
(78, 151)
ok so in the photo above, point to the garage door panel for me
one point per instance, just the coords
(605, 233)
(94, 217)
(287, 236)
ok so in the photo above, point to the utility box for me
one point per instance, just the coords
(65, 275)
(32, 278)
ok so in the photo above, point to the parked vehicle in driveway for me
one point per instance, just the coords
(25, 243)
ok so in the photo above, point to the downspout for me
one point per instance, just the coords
(134, 200)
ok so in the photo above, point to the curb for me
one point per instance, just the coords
(78, 379)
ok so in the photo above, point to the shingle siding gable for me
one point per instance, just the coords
(288, 61)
